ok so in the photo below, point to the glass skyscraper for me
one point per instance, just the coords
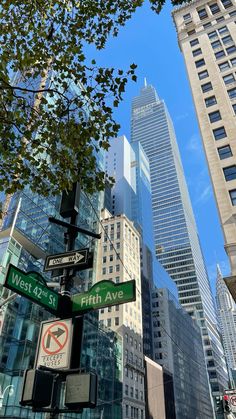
(176, 239)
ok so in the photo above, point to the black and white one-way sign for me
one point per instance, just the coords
(65, 260)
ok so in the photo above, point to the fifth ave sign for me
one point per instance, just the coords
(66, 260)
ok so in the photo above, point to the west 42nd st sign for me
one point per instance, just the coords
(104, 294)
(31, 285)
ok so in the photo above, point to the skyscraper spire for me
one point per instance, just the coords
(145, 82)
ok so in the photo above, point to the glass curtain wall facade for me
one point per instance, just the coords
(178, 348)
(227, 320)
(176, 239)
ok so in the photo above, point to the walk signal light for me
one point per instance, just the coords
(37, 388)
(219, 404)
(226, 403)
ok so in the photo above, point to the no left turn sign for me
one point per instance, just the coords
(233, 400)
(54, 346)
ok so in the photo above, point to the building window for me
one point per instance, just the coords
(110, 269)
(219, 133)
(104, 259)
(224, 152)
(108, 322)
(230, 173)
(209, 101)
(219, 19)
(207, 25)
(227, 40)
(233, 196)
(233, 61)
(231, 50)
(117, 279)
(116, 321)
(104, 271)
(212, 35)
(214, 8)
(194, 42)
(126, 390)
(111, 258)
(233, 13)
(226, 3)
(136, 393)
(117, 268)
(223, 30)
(224, 66)
(197, 52)
(232, 93)
(229, 78)
(191, 32)
(203, 74)
(203, 14)
(234, 108)
(126, 410)
(131, 392)
(206, 87)
(199, 63)
(187, 16)
(219, 54)
(216, 44)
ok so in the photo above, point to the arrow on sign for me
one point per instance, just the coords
(57, 333)
(77, 257)
(69, 259)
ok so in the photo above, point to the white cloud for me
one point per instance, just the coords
(181, 116)
(205, 194)
(194, 144)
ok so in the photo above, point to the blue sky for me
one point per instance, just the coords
(150, 41)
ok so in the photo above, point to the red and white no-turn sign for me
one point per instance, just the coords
(54, 346)
(233, 400)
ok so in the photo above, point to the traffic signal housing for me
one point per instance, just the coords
(37, 388)
(219, 404)
(227, 407)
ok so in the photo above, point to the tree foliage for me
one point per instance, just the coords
(55, 104)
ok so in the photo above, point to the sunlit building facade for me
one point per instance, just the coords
(176, 239)
(207, 38)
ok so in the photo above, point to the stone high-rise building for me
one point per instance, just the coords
(119, 261)
(207, 38)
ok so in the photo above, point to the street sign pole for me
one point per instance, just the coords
(69, 207)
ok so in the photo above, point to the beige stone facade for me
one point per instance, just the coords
(207, 38)
(119, 261)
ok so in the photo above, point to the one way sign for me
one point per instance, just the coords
(65, 260)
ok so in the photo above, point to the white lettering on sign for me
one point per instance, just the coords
(114, 295)
(91, 299)
(16, 279)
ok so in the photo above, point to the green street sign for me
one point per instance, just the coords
(32, 285)
(104, 294)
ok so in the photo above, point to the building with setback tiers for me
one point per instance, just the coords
(207, 38)
(177, 245)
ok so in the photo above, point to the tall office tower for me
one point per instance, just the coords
(119, 261)
(227, 320)
(178, 348)
(132, 180)
(207, 37)
(175, 233)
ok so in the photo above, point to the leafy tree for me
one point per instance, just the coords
(55, 104)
